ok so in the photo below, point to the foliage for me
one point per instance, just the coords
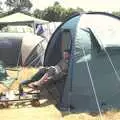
(0, 6)
(38, 13)
(51, 13)
(116, 13)
(19, 5)
(56, 12)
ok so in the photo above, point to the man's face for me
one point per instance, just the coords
(66, 55)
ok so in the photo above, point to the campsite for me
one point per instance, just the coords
(58, 63)
(47, 109)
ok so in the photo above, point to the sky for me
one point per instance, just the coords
(87, 5)
(94, 5)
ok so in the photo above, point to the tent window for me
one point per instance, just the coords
(85, 40)
(66, 40)
(82, 42)
(17, 29)
(60, 42)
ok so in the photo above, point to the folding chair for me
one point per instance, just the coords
(5, 79)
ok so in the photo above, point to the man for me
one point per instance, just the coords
(49, 74)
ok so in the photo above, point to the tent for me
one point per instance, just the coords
(22, 49)
(93, 82)
(22, 19)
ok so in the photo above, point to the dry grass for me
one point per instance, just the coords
(23, 74)
(47, 110)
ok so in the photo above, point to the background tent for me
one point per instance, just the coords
(93, 81)
(22, 19)
(18, 43)
(22, 49)
(49, 29)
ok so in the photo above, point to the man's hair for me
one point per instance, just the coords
(67, 50)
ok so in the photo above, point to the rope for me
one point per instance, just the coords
(109, 58)
(92, 83)
(113, 66)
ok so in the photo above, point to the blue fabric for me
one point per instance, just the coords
(39, 29)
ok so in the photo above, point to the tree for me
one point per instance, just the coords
(53, 13)
(56, 12)
(1, 7)
(20, 5)
(38, 13)
(116, 13)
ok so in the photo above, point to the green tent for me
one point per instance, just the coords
(93, 81)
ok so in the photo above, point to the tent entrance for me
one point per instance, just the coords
(61, 43)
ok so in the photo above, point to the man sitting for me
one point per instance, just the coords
(48, 74)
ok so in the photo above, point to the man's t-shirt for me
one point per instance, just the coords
(58, 71)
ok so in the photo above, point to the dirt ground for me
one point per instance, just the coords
(49, 112)
(47, 109)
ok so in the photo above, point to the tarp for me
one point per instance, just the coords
(20, 18)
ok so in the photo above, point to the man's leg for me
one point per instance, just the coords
(36, 77)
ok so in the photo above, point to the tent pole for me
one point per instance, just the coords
(18, 60)
(34, 27)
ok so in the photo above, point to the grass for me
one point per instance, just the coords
(47, 110)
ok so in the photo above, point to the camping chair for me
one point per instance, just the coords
(5, 79)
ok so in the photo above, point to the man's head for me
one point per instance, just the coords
(66, 54)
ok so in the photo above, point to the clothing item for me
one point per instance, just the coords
(58, 71)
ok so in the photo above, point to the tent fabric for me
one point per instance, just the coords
(20, 18)
(15, 49)
(111, 26)
(17, 29)
(9, 50)
(28, 44)
(94, 68)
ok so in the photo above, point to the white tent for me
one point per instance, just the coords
(21, 18)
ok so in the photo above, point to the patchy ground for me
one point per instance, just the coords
(47, 110)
